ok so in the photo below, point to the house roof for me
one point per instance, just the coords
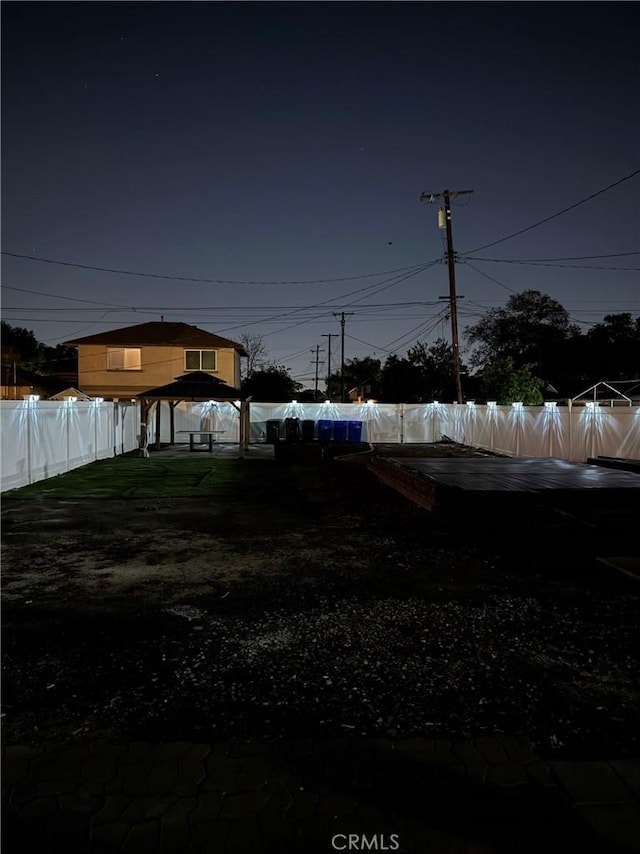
(196, 385)
(70, 391)
(159, 333)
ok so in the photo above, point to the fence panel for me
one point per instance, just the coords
(15, 443)
(41, 439)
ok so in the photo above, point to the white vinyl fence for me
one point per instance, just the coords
(569, 432)
(43, 438)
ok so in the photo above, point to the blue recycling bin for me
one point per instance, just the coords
(340, 431)
(355, 431)
(325, 429)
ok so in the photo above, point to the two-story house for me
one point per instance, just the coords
(122, 363)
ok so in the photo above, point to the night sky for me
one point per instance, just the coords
(266, 143)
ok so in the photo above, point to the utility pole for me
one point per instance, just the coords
(447, 195)
(317, 352)
(329, 337)
(342, 315)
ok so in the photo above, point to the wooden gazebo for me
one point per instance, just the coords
(196, 387)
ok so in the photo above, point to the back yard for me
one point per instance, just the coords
(203, 599)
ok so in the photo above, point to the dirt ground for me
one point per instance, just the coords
(312, 600)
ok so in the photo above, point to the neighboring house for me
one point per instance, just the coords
(16, 383)
(124, 362)
(361, 393)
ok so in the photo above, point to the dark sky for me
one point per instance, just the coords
(278, 142)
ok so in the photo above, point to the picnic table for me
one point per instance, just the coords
(209, 440)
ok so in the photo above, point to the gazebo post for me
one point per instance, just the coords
(172, 420)
(144, 426)
(246, 421)
(143, 421)
(241, 430)
(157, 442)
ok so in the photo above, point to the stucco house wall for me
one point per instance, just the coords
(161, 360)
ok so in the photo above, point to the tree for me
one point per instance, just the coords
(23, 344)
(400, 380)
(359, 374)
(309, 395)
(505, 382)
(435, 362)
(614, 348)
(59, 360)
(531, 329)
(256, 353)
(426, 373)
(271, 385)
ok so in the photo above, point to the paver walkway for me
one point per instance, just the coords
(487, 796)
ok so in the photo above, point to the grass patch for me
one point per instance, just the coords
(136, 477)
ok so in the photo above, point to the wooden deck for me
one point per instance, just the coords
(436, 483)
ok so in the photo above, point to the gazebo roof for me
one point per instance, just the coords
(196, 385)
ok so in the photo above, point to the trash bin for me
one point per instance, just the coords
(324, 430)
(291, 429)
(273, 432)
(340, 430)
(308, 428)
(355, 431)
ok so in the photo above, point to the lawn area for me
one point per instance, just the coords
(135, 477)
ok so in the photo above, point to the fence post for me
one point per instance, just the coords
(494, 416)
(95, 429)
(117, 417)
(67, 406)
(29, 417)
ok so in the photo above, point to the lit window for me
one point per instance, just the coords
(124, 359)
(200, 360)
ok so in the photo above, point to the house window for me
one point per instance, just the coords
(200, 360)
(124, 359)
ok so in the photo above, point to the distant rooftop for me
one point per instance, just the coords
(159, 333)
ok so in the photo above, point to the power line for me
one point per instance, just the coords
(601, 312)
(557, 266)
(207, 281)
(572, 258)
(430, 322)
(376, 287)
(313, 319)
(557, 214)
(396, 280)
(224, 308)
(428, 325)
(491, 278)
(71, 299)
